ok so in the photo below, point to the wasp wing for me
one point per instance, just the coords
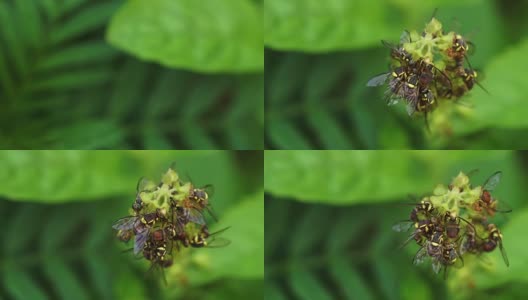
(195, 216)
(141, 239)
(218, 242)
(504, 256)
(402, 226)
(420, 256)
(492, 182)
(378, 79)
(126, 223)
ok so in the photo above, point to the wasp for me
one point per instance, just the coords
(452, 224)
(124, 235)
(486, 201)
(202, 238)
(140, 226)
(423, 230)
(159, 256)
(399, 53)
(494, 239)
(425, 207)
(459, 48)
(138, 203)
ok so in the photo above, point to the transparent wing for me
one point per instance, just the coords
(504, 256)
(388, 44)
(420, 256)
(402, 226)
(141, 239)
(218, 242)
(410, 238)
(464, 245)
(378, 79)
(405, 37)
(126, 223)
(492, 181)
(411, 109)
(502, 207)
(195, 216)
(436, 266)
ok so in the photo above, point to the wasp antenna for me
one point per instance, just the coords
(467, 60)
(139, 182)
(482, 87)
(434, 13)
(220, 230)
(467, 223)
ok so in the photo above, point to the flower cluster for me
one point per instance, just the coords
(426, 68)
(165, 217)
(454, 221)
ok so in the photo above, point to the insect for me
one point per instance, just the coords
(198, 199)
(471, 242)
(184, 212)
(140, 225)
(442, 253)
(452, 224)
(202, 238)
(423, 230)
(124, 235)
(486, 201)
(141, 186)
(158, 254)
(494, 239)
(459, 48)
(425, 207)
(398, 53)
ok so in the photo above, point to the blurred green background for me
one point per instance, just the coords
(329, 216)
(57, 209)
(320, 54)
(114, 74)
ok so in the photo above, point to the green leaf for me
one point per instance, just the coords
(305, 285)
(20, 285)
(301, 243)
(59, 176)
(318, 26)
(22, 221)
(350, 281)
(343, 177)
(87, 20)
(273, 292)
(50, 265)
(286, 136)
(244, 257)
(87, 135)
(66, 283)
(87, 53)
(206, 36)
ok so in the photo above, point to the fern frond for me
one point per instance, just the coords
(326, 252)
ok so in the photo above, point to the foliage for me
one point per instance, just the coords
(349, 253)
(336, 251)
(317, 97)
(205, 36)
(344, 177)
(68, 250)
(63, 87)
